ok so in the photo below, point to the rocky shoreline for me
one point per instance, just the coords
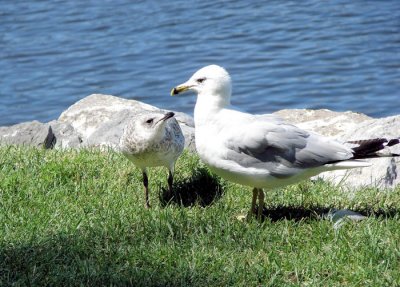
(98, 121)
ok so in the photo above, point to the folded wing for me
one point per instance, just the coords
(283, 149)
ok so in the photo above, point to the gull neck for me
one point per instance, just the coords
(208, 105)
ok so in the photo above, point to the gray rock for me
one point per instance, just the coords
(30, 133)
(336, 215)
(47, 135)
(325, 122)
(341, 216)
(88, 114)
(99, 119)
(108, 133)
(65, 135)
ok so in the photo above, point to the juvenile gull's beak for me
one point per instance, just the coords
(166, 116)
(179, 89)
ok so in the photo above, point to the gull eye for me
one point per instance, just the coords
(200, 80)
(149, 121)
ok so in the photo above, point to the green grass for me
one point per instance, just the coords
(77, 218)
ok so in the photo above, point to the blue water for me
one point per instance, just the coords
(340, 55)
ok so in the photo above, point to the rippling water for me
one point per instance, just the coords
(340, 55)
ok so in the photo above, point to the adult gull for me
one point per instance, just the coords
(262, 151)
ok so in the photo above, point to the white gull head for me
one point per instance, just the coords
(212, 85)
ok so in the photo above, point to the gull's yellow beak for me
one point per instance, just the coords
(179, 89)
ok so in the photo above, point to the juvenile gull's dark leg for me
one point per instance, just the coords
(260, 203)
(252, 210)
(146, 189)
(170, 181)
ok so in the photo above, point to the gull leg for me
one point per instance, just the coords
(146, 189)
(253, 204)
(170, 181)
(260, 203)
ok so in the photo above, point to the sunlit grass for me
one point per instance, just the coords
(77, 218)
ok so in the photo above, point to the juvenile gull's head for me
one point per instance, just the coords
(148, 127)
(210, 81)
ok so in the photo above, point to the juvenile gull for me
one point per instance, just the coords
(153, 139)
(262, 151)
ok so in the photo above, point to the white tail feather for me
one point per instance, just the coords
(348, 164)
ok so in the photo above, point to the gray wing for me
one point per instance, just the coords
(284, 149)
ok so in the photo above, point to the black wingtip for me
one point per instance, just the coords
(393, 142)
(369, 148)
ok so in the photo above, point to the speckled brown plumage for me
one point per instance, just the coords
(153, 139)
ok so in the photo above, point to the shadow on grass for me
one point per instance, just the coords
(80, 260)
(202, 189)
(301, 213)
(58, 261)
